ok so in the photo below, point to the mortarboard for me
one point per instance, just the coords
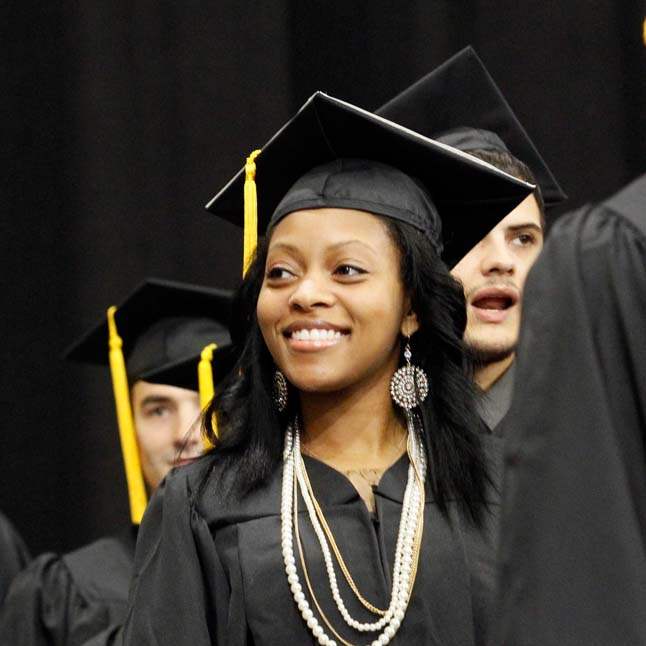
(460, 104)
(184, 373)
(160, 326)
(334, 154)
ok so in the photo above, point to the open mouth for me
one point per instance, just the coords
(492, 304)
(314, 335)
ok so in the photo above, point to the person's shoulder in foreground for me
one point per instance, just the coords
(573, 547)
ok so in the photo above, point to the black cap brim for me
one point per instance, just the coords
(152, 302)
(183, 374)
(471, 196)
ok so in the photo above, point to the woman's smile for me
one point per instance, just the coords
(314, 335)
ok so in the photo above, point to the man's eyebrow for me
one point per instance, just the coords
(155, 399)
(525, 225)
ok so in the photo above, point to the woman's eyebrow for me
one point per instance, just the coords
(285, 246)
(338, 245)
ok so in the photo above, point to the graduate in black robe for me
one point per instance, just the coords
(14, 554)
(209, 568)
(573, 550)
(81, 597)
(212, 573)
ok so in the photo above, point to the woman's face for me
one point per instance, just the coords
(332, 303)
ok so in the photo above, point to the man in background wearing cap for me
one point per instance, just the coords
(459, 104)
(161, 329)
(493, 275)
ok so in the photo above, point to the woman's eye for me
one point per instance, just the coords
(278, 273)
(349, 270)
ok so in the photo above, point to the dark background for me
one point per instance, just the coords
(121, 118)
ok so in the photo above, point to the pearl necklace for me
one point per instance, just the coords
(406, 553)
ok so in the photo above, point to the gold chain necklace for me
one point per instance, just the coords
(337, 552)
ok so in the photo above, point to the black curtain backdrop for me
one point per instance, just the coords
(121, 119)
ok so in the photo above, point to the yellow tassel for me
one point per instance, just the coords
(250, 212)
(205, 381)
(134, 475)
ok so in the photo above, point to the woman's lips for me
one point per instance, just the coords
(313, 338)
(311, 346)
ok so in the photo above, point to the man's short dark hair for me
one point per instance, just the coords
(506, 162)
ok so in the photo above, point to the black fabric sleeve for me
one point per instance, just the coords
(44, 607)
(175, 563)
(14, 555)
(573, 535)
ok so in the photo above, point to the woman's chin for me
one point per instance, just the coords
(318, 383)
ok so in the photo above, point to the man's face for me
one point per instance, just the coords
(493, 275)
(167, 425)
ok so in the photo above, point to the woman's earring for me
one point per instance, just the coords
(280, 391)
(409, 384)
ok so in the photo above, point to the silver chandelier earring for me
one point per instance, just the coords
(409, 384)
(280, 391)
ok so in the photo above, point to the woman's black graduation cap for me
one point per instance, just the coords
(344, 156)
(460, 104)
(161, 325)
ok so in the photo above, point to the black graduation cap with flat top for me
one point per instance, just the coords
(460, 104)
(334, 154)
(164, 326)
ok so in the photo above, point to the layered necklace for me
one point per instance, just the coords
(407, 551)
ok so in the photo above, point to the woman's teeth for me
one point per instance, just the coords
(316, 335)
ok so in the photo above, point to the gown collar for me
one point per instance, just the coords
(332, 487)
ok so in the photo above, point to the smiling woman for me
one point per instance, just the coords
(348, 495)
(342, 278)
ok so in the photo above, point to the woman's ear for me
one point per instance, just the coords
(410, 324)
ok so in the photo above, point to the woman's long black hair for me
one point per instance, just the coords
(249, 443)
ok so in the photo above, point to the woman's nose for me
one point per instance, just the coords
(310, 293)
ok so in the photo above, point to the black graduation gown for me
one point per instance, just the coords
(573, 551)
(495, 402)
(212, 573)
(70, 599)
(13, 554)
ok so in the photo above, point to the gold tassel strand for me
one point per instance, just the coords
(129, 449)
(205, 381)
(250, 212)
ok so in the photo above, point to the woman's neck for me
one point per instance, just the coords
(356, 428)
